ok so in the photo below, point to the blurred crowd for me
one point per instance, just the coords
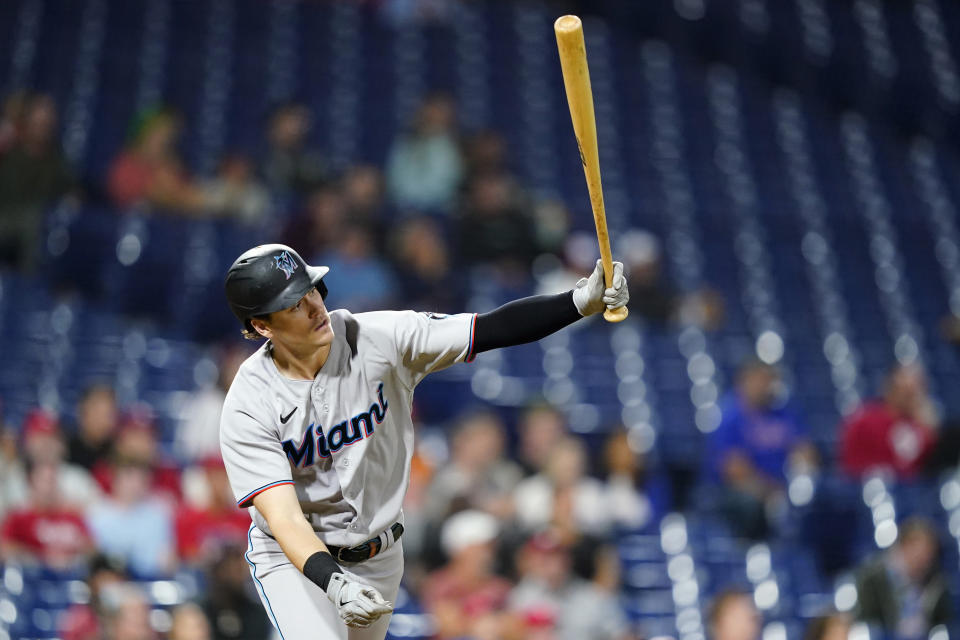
(498, 545)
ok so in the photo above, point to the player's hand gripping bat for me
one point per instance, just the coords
(576, 79)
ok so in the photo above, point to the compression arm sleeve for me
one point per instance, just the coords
(524, 320)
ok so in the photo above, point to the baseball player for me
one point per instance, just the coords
(317, 437)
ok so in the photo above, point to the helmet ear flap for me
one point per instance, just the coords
(322, 288)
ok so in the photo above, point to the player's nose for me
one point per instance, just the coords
(314, 304)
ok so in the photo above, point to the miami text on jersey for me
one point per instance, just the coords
(317, 444)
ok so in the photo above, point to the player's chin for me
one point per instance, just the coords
(322, 335)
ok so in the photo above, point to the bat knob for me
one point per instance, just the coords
(615, 315)
(567, 24)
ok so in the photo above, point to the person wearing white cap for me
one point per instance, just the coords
(465, 594)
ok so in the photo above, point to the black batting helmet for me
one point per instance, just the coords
(269, 278)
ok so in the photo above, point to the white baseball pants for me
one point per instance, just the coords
(299, 609)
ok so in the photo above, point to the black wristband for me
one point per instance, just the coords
(319, 567)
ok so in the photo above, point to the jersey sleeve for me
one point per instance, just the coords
(252, 454)
(428, 342)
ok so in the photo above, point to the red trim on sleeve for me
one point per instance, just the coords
(247, 500)
(473, 331)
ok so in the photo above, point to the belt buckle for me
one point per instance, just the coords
(340, 553)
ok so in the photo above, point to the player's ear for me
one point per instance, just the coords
(260, 326)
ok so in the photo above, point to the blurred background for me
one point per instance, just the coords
(766, 448)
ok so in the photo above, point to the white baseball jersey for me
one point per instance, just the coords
(345, 438)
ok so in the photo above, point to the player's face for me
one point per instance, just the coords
(306, 323)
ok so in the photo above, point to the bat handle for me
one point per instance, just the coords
(610, 315)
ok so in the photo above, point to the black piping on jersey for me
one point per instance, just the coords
(351, 329)
(524, 320)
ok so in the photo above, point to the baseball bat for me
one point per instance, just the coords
(576, 80)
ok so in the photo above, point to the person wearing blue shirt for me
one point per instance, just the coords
(759, 438)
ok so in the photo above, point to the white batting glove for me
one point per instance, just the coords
(590, 297)
(358, 605)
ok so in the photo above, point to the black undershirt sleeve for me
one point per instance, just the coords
(524, 320)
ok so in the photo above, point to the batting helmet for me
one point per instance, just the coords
(269, 278)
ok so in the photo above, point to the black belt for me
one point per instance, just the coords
(365, 550)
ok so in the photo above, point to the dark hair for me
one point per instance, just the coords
(248, 331)
(104, 562)
(96, 387)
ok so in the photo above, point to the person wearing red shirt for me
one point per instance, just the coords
(895, 433)
(465, 597)
(136, 440)
(149, 170)
(202, 531)
(46, 532)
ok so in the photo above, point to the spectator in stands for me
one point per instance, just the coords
(234, 191)
(541, 427)
(429, 451)
(593, 610)
(82, 621)
(733, 616)
(11, 118)
(426, 278)
(188, 622)
(133, 524)
(136, 442)
(203, 529)
(97, 419)
(485, 152)
(494, 226)
(903, 591)
(318, 228)
(46, 531)
(580, 253)
(363, 198)
(546, 587)
(478, 475)
(660, 304)
(424, 166)
(832, 626)
(551, 223)
(230, 602)
(290, 167)
(896, 433)
(465, 597)
(33, 173)
(562, 496)
(758, 441)
(198, 433)
(43, 441)
(11, 470)
(359, 279)
(128, 615)
(623, 506)
(149, 171)
(640, 252)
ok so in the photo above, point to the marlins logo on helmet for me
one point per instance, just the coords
(285, 263)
